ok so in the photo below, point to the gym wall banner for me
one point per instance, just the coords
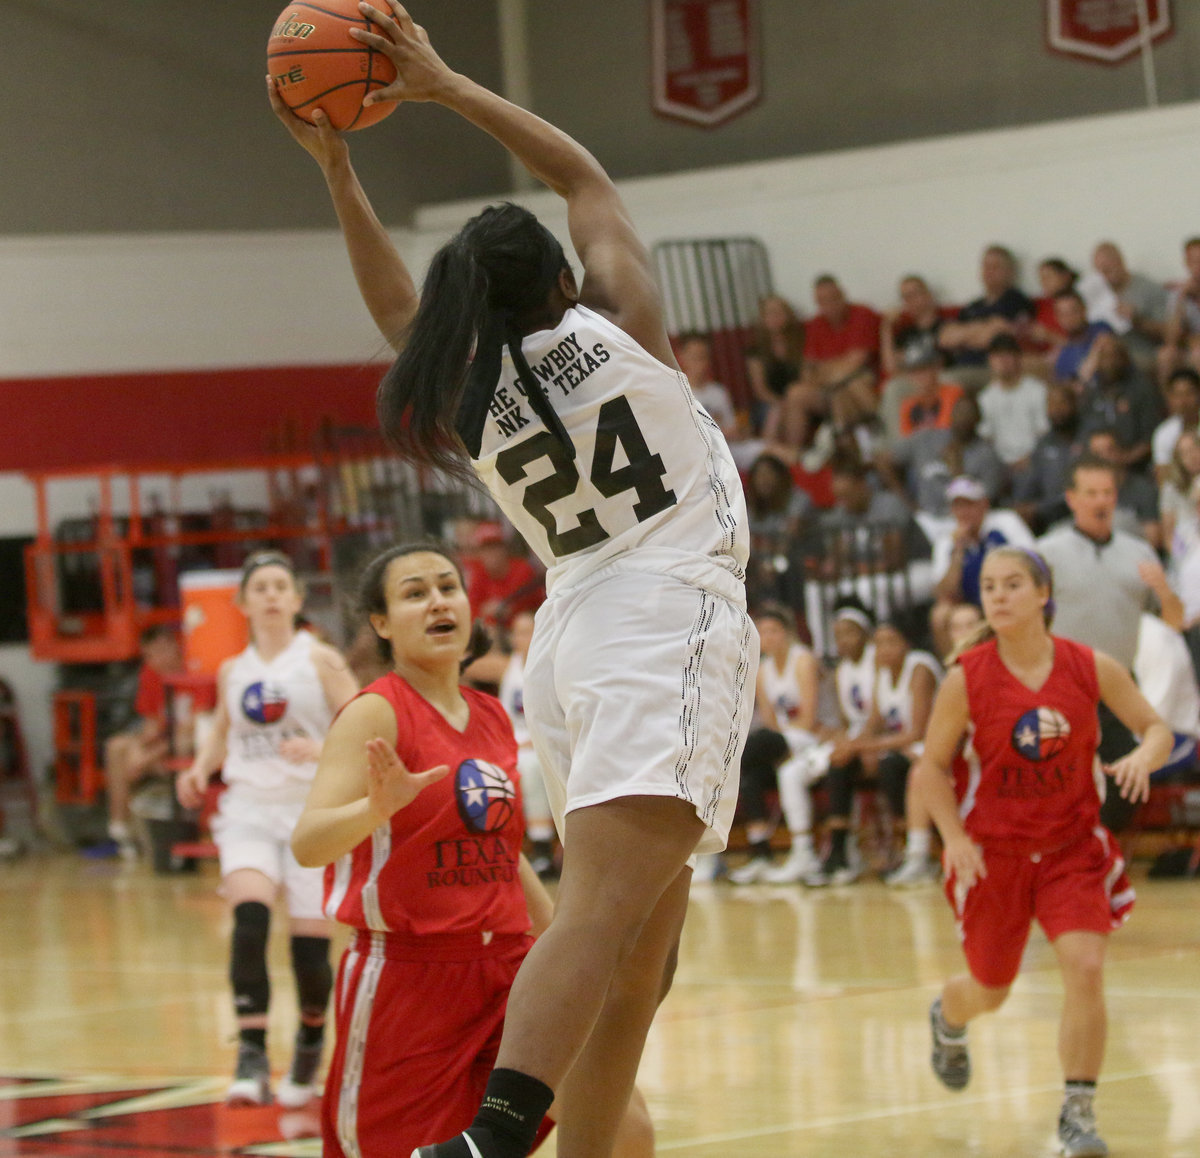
(706, 59)
(1106, 31)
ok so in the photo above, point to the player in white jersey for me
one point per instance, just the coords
(539, 822)
(778, 752)
(905, 682)
(275, 704)
(567, 401)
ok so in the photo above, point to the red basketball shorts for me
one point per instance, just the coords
(416, 1041)
(1079, 888)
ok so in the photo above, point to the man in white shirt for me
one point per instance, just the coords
(1013, 406)
(1183, 402)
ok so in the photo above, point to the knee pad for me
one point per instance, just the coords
(893, 779)
(248, 958)
(314, 975)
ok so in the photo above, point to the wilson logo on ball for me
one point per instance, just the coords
(1041, 733)
(485, 795)
(290, 26)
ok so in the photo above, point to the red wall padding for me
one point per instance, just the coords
(185, 416)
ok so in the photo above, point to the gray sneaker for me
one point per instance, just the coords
(300, 1085)
(1077, 1136)
(950, 1058)
(251, 1084)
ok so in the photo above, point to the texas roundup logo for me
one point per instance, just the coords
(485, 795)
(1040, 734)
(264, 702)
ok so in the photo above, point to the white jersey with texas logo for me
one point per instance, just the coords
(652, 486)
(269, 702)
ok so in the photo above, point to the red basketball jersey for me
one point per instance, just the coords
(447, 863)
(1029, 785)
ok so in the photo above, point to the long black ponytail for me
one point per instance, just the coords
(482, 288)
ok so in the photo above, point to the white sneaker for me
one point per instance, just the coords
(797, 867)
(1077, 1134)
(912, 873)
(300, 1086)
(251, 1085)
(753, 871)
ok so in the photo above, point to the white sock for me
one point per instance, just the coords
(802, 844)
(918, 844)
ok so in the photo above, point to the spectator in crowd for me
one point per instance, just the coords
(1119, 397)
(1038, 493)
(865, 518)
(1001, 309)
(1137, 496)
(1183, 410)
(958, 555)
(694, 354)
(1181, 338)
(778, 512)
(1176, 511)
(1134, 306)
(139, 751)
(499, 583)
(907, 334)
(773, 363)
(1166, 676)
(1054, 276)
(841, 362)
(1078, 335)
(932, 400)
(905, 682)
(1103, 580)
(929, 459)
(1013, 406)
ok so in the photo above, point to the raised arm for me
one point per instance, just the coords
(618, 277)
(383, 279)
(360, 783)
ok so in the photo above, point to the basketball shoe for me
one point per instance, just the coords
(1077, 1136)
(300, 1085)
(950, 1058)
(251, 1084)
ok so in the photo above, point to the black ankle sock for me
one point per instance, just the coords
(514, 1105)
(760, 850)
(310, 1035)
(1080, 1087)
(837, 843)
(257, 1037)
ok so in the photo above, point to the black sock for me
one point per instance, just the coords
(837, 845)
(256, 1037)
(310, 1035)
(760, 850)
(514, 1105)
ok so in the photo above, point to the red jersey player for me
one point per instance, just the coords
(1023, 839)
(426, 867)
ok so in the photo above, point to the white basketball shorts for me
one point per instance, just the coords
(638, 684)
(251, 834)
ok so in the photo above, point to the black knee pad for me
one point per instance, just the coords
(893, 780)
(314, 976)
(248, 958)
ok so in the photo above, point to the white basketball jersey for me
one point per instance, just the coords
(781, 687)
(856, 689)
(512, 696)
(267, 704)
(894, 697)
(652, 485)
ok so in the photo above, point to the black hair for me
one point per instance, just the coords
(484, 288)
(372, 596)
(778, 612)
(1187, 374)
(1060, 266)
(1070, 294)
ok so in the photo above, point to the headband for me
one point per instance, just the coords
(855, 616)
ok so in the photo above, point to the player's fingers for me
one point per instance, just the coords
(382, 18)
(431, 776)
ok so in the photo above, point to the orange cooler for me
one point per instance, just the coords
(213, 627)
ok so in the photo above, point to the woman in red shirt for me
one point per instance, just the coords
(1021, 822)
(416, 812)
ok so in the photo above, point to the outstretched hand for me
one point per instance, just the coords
(320, 139)
(421, 74)
(1132, 776)
(390, 785)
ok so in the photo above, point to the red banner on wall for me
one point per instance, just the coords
(1108, 31)
(706, 58)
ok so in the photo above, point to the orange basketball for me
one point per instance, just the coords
(316, 63)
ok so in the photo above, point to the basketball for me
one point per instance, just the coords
(486, 795)
(315, 63)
